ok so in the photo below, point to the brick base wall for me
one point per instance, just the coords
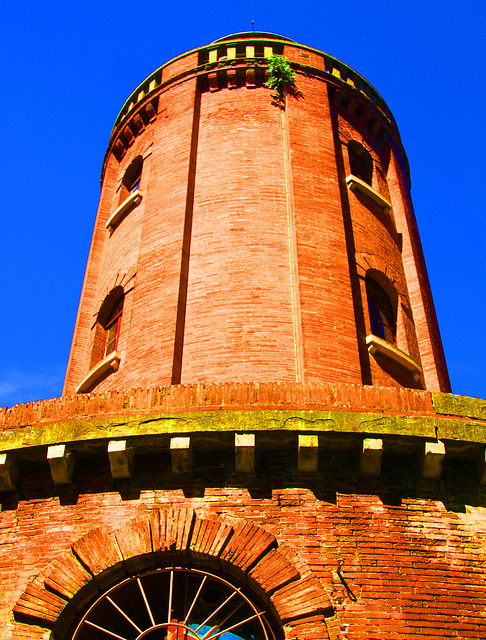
(412, 555)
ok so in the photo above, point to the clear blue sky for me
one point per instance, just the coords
(68, 68)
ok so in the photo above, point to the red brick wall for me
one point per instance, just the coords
(239, 308)
(199, 397)
(432, 354)
(409, 569)
(246, 261)
(378, 248)
(328, 322)
(413, 550)
(79, 356)
(153, 327)
(146, 246)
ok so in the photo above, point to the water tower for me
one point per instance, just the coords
(256, 438)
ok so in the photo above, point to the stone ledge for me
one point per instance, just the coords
(355, 184)
(231, 421)
(218, 422)
(240, 407)
(452, 405)
(393, 353)
(133, 200)
(111, 361)
(304, 436)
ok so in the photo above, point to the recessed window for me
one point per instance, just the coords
(112, 328)
(104, 355)
(130, 196)
(131, 179)
(360, 162)
(382, 315)
(107, 327)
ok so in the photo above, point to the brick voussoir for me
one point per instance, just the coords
(66, 575)
(97, 550)
(37, 602)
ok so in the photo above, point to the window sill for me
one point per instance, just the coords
(133, 200)
(382, 346)
(355, 184)
(112, 361)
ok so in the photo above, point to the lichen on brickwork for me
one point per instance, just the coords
(133, 424)
(453, 405)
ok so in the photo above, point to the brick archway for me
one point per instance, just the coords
(296, 594)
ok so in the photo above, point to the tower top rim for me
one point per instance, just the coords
(330, 70)
(244, 35)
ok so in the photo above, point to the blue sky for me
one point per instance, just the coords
(68, 68)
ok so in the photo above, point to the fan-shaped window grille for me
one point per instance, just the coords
(174, 603)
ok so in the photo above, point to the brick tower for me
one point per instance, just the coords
(257, 438)
(263, 234)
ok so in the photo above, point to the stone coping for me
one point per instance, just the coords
(332, 65)
(192, 408)
(212, 422)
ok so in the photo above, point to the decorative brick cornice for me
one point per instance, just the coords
(218, 65)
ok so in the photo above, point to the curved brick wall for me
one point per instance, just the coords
(246, 257)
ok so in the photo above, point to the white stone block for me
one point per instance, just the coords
(61, 463)
(181, 455)
(433, 456)
(121, 459)
(9, 472)
(245, 452)
(370, 459)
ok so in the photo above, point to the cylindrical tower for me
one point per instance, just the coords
(309, 477)
(239, 239)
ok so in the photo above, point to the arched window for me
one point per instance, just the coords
(131, 179)
(107, 329)
(175, 603)
(360, 162)
(382, 314)
(112, 327)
